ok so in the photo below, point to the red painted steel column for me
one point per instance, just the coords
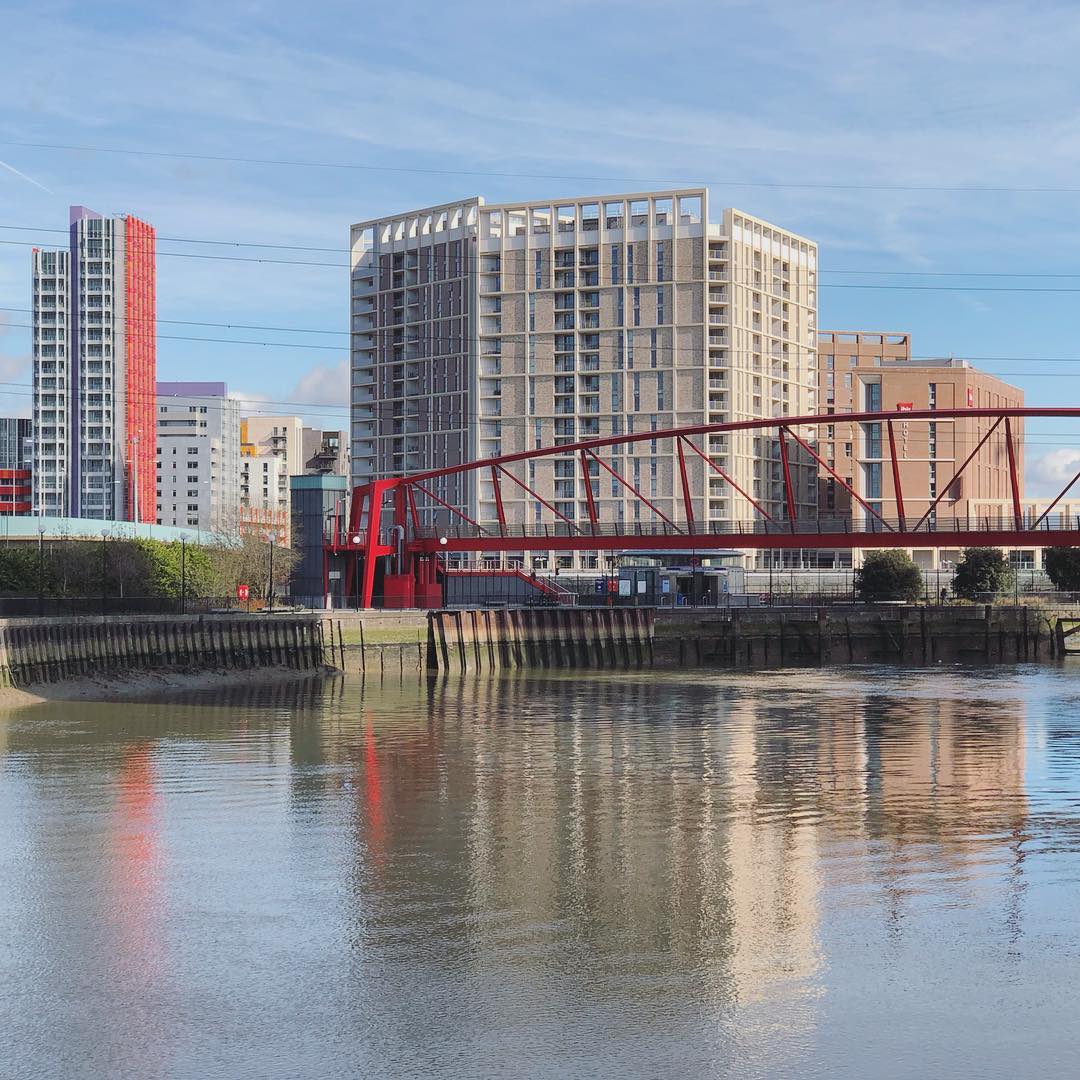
(688, 503)
(590, 501)
(1014, 480)
(789, 494)
(897, 487)
(498, 500)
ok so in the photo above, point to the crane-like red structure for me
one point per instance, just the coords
(384, 520)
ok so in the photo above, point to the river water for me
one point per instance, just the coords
(849, 873)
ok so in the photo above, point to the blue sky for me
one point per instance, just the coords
(882, 97)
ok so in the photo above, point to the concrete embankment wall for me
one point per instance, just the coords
(488, 640)
(759, 638)
(51, 650)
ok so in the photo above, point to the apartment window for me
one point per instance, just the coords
(847, 380)
(661, 314)
(661, 270)
(872, 438)
(660, 390)
(932, 435)
(532, 312)
(932, 396)
(637, 392)
(630, 350)
(872, 397)
(620, 308)
(532, 355)
(853, 361)
(830, 363)
(539, 268)
(616, 268)
(637, 307)
(933, 480)
(538, 433)
(620, 351)
(616, 393)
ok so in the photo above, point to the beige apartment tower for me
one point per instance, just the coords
(480, 330)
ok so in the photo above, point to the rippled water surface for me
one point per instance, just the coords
(862, 873)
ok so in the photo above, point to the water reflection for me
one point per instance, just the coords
(626, 872)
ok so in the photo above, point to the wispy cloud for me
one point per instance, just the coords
(28, 179)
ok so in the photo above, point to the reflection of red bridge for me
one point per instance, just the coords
(378, 528)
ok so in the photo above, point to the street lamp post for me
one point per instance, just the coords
(41, 570)
(104, 538)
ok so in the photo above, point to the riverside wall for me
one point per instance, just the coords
(399, 643)
(44, 651)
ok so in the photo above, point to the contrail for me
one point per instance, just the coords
(28, 179)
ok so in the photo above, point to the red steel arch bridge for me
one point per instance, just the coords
(384, 534)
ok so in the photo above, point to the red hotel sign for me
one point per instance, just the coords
(905, 406)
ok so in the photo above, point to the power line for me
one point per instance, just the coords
(369, 167)
(728, 279)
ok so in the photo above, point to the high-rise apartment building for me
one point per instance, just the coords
(480, 330)
(95, 360)
(874, 372)
(16, 458)
(326, 453)
(198, 456)
(279, 436)
(264, 496)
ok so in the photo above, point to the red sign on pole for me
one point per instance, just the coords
(242, 593)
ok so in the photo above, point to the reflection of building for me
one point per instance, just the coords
(481, 330)
(95, 362)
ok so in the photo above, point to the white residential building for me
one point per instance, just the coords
(198, 456)
(480, 330)
(94, 368)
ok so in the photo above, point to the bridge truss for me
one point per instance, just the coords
(385, 520)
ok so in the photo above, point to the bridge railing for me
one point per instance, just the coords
(839, 526)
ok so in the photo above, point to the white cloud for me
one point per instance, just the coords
(1048, 473)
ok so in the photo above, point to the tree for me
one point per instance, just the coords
(1063, 568)
(888, 575)
(982, 573)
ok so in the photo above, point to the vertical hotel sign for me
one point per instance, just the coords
(905, 427)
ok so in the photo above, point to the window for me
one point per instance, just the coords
(661, 271)
(620, 308)
(637, 307)
(872, 397)
(660, 390)
(532, 312)
(830, 363)
(661, 315)
(637, 392)
(652, 348)
(539, 268)
(932, 395)
(616, 268)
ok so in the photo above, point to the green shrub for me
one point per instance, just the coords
(888, 575)
(1063, 568)
(982, 573)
